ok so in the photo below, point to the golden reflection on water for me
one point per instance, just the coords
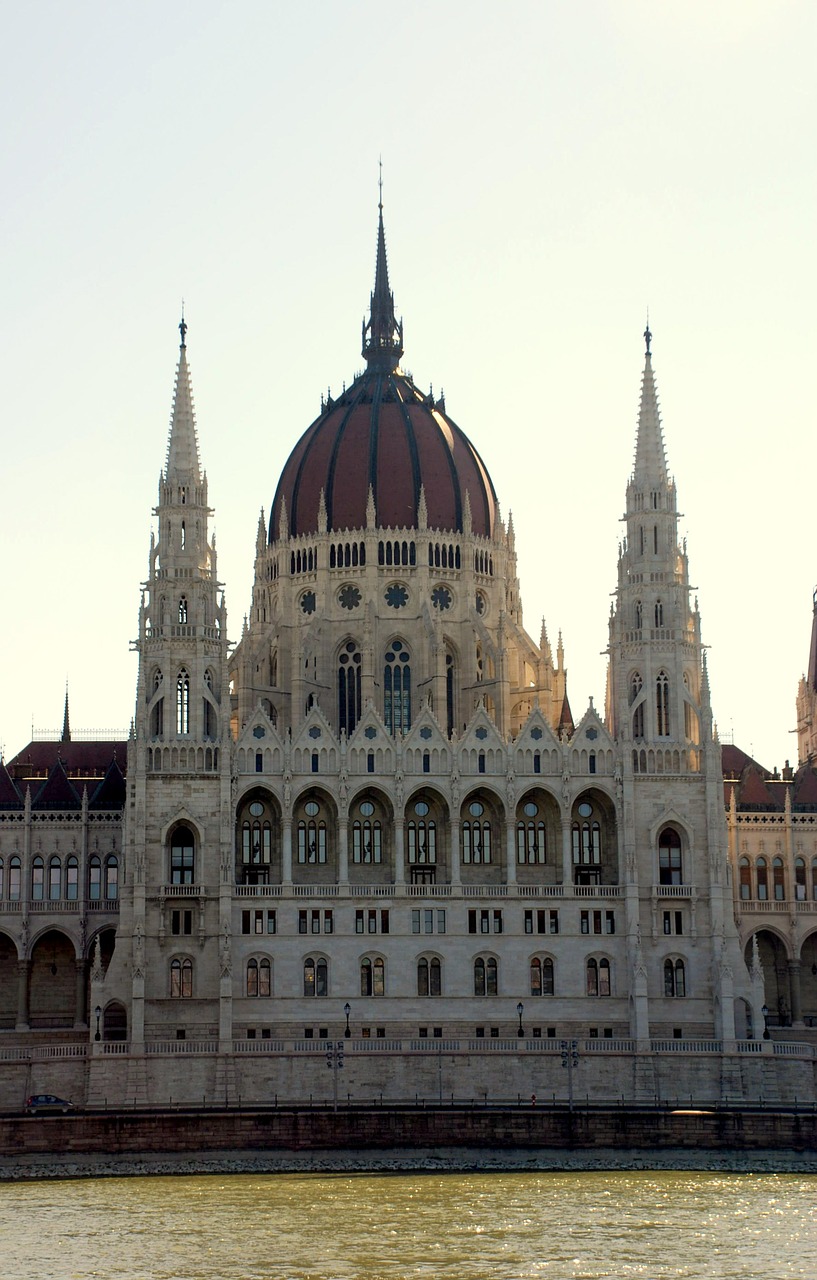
(559, 1226)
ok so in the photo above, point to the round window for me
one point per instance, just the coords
(475, 809)
(421, 808)
(585, 809)
(366, 808)
(256, 809)
(531, 809)
(312, 808)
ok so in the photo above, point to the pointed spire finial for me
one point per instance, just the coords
(66, 725)
(648, 333)
(183, 327)
(382, 334)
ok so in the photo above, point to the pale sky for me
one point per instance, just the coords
(551, 170)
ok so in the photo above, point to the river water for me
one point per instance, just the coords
(565, 1226)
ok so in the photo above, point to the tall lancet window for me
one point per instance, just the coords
(157, 715)
(183, 609)
(636, 684)
(183, 702)
(659, 614)
(662, 705)
(397, 688)
(348, 687)
(449, 692)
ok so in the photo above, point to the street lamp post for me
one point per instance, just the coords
(98, 1012)
(765, 1012)
(334, 1061)
(570, 1060)
(347, 1009)
(519, 1009)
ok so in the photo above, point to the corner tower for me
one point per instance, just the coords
(807, 700)
(657, 695)
(175, 918)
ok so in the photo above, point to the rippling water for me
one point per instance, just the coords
(580, 1226)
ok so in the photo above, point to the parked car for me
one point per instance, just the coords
(40, 1104)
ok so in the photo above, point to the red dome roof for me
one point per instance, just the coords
(386, 434)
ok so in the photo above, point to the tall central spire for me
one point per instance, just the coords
(650, 468)
(382, 335)
(183, 465)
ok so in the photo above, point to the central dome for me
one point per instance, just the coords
(383, 435)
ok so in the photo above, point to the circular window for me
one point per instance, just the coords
(441, 598)
(396, 596)
(256, 809)
(481, 603)
(366, 808)
(475, 809)
(349, 597)
(585, 809)
(312, 808)
(530, 810)
(308, 602)
(421, 808)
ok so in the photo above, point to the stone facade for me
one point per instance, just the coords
(376, 814)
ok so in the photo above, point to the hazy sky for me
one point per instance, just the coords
(551, 170)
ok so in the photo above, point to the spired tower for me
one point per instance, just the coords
(176, 904)
(673, 835)
(807, 701)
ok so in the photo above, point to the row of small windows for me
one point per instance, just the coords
(770, 881)
(372, 972)
(399, 553)
(54, 881)
(344, 555)
(256, 841)
(442, 555)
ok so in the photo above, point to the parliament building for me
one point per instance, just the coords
(371, 834)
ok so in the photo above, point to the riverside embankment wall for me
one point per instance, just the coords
(389, 1129)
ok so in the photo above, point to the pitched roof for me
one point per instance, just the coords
(80, 759)
(110, 793)
(57, 791)
(10, 797)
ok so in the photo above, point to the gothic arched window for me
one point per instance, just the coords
(348, 687)
(598, 977)
(181, 856)
(111, 877)
(183, 702)
(428, 977)
(315, 977)
(397, 688)
(449, 692)
(157, 715)
(422, 835)
(181, 979)
(669, 857)
(674, 978)
(662, 705)
(367, 834)
(541, 976)
(312, 834)
(531, 838)
(183, 609)
(72, 879)
(54, 880)
(475, 834)
(372, 977)
(485, 976)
